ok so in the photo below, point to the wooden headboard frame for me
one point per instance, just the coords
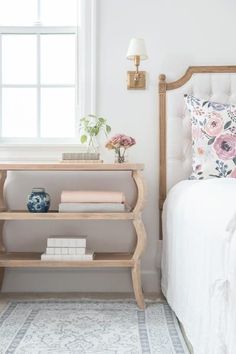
(163, 87)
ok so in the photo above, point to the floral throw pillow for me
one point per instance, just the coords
(213, 138)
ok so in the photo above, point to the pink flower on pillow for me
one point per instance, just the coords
(196, 132)
(233, 173)
(225, 146)
(200, 151)
(214, 125)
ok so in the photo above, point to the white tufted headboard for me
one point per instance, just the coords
(217, 83)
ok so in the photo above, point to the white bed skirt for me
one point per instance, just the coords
(199, 262)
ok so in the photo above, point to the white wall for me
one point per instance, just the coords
(177, 34)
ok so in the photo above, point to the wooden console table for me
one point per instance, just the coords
(111, 260)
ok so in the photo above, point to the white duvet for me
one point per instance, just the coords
(199, 262)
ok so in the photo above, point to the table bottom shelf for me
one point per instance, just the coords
(32, 260)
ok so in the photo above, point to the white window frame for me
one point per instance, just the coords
(38, 31)
(51, 148)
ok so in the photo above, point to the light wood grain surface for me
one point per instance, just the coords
(101, 260)
(33, 260)
(58, 166)
(25, 215)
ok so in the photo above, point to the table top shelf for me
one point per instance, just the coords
(25, 215)
(33, 260)
(61, 166)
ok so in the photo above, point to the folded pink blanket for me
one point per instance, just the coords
(92, 197)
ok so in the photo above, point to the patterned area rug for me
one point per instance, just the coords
(89, 326)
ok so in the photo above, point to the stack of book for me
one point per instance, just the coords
(64, 248)
(92, 201)
(81, 157)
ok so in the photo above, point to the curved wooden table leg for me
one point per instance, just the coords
(2, 271)
(3, 175)
(141, 237)
(2, 246)
(2, 250)
(136, 276)
(141, 191)
(136, 279)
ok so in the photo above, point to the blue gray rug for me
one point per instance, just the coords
(89, 327)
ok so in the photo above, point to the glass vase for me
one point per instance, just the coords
(93, 146)
(121, 155)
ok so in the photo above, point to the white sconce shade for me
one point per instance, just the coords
(137, 47)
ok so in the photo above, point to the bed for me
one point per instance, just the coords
(198, 219)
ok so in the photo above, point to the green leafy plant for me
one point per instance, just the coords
(91, 126)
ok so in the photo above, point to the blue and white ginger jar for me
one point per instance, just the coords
(38, 201)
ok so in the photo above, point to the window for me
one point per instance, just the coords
(38, 70)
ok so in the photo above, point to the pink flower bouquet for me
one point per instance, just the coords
(120, 143)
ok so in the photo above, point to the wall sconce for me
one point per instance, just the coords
(136, 51)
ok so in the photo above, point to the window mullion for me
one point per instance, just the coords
(38, 29)
(38, 11)
(38, 87)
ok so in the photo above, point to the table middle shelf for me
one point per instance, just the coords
(33, 260)
(55, 215)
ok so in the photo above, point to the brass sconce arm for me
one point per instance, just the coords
(136, 63)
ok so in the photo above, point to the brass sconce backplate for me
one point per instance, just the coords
(136, 81)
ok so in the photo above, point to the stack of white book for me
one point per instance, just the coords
(64, 248)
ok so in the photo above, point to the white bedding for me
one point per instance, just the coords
(199, 262)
